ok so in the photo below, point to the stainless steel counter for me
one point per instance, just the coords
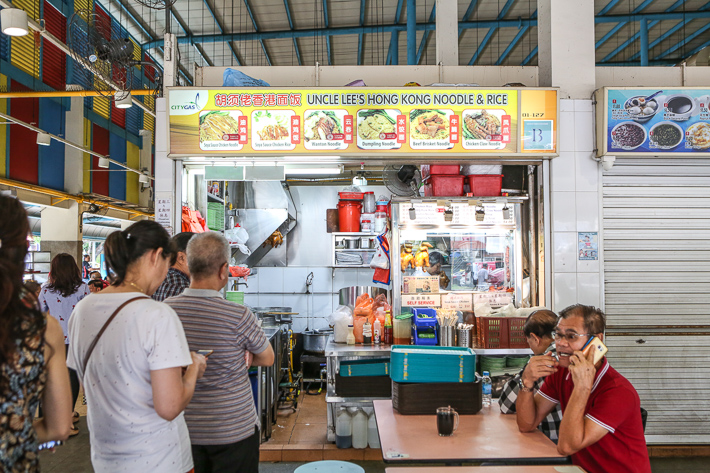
(359, 349)
(269, 377)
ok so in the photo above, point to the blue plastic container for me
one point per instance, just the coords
(254, 381)
(425, 364)
(374, 367)
(424, 321)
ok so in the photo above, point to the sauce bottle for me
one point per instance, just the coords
(367, 333)
(388, 334)
(376, 331)
(350, 340)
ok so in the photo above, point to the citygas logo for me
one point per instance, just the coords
(186, 104)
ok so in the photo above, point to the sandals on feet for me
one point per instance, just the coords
(75, 417)
(74, 431)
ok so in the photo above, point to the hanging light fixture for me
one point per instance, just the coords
(144, 178)
(125, 102)
(480, 213)
(43, 139)
(104, 163)
(14, 21)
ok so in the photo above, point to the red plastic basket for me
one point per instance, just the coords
(516, 334)
(492, 332)
(485, 185)
(450, 169)
(446, 185)
(351, 195)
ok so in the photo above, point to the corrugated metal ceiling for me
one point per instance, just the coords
(670, 40)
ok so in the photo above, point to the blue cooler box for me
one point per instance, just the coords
(424, 364)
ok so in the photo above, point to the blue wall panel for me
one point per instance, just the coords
(117, 178)
(51, 158)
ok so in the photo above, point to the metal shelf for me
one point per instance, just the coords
(354, 399)
(503, 351)
(218, 199)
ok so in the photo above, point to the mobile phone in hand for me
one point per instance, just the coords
(205, 353)
(49, 445)
(599, 349)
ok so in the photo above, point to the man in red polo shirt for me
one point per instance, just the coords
(601, 413)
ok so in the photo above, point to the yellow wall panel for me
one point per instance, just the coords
(83, 5)
(24, 54)
(133, 159)
(87, 156)
(3, 130)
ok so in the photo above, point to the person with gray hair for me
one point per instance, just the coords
(221, 418)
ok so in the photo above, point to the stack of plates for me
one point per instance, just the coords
(349, 259)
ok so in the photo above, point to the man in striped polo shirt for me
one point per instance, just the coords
(221, 417)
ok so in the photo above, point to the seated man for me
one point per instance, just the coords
(538, 331)
(601, 425)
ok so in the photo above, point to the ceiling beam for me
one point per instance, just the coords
(354, 30)
(327, 25)
(290, 25)
(608, 7)
(621, 24)
(471, 7)
(489, 35)
(529, 57)
(256, 28)
(392, 55)
(221, 30)
(683, 42)
(360, 37)
(637, 35)
(513, 43)
(425, 37)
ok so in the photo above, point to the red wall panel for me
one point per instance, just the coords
(54, 61)
(24, 162)
(99, 143)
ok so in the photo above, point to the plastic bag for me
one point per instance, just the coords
(380, 302)
(340, 319)
(358, 322)
(238, 237)
(234, 78)
(380, 260)
(240, 271)
(363, 307)
(482, 309)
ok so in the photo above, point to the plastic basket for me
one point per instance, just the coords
(427, 364)
(447, 185)
(516, 334)
(374, 367)
(492, 332)
(425, 398)
(451, 169)
(351, 195)
(485, 184)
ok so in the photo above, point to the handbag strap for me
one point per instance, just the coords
(103, 329)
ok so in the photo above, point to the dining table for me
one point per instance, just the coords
(487, 436)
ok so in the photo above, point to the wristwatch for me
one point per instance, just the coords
(524, 388)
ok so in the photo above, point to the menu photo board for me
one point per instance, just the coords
(653, 121)
(361, 121)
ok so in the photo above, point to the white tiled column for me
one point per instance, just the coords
(575, 201)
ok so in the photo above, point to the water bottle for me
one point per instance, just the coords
(360, 429)
(487, 388)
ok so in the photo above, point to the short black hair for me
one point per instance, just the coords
(178, 243)
(96, 283)
(594, 319)
(541, 322)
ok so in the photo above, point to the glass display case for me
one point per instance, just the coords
(445, 251)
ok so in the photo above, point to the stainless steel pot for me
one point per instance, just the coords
(352, 243)
(348, 295)
(314, 341)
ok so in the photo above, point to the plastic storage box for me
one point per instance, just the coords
(425, 398)
(485, 185)
(424, 364)
(372, 367)
(447, 185)
(492, 332)
(516, 334)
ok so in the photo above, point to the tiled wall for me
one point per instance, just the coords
(575, 202)
(286, 287)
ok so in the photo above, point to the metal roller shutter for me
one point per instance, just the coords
(656, 220)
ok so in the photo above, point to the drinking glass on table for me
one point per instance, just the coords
(447, 421)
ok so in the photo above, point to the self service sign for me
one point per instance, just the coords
(362, 121)
(653, 121)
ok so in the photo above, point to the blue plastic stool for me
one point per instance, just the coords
(328, 466)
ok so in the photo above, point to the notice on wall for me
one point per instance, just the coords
(421, 300)
(419, 284)
(588, 246)
(495, 299)
(360, 121)
(456, 301)
(667, 120)
(163, 210)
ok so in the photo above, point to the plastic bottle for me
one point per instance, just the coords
(350, 340)
(343, 429)
(373, 440)
(367, 333)
(487, 388)
(388, 334)
(360, 429)
(376, 331)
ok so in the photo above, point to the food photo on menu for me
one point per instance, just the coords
(482, 129)
(323, 129)
(270, 129)
(376, 129)
(647, 121)
(429, 129)
(219, 129)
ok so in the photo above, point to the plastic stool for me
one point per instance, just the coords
(327, 466)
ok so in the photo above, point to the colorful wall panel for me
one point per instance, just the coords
(117, 176)
(100, 144)
(51, 158)
(54, 61)
(87, 157)
(24, 50)
(3, 129)
(23, 142)
(133, 159)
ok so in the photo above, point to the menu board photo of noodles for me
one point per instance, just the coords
(219, 129)
(429, 129)
(376, 129)
(323, 129)
(270, 129)
(481, 129)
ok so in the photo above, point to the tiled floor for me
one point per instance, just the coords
(302, 436)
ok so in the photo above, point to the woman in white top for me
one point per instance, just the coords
(135, 386)
(58, 296)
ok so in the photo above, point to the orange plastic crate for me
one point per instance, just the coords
(516, 335)
(492, 332)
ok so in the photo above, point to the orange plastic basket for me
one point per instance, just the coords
(492, 332)
(516, 335)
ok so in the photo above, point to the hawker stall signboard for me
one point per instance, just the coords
(361, 121)
(653, 121)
